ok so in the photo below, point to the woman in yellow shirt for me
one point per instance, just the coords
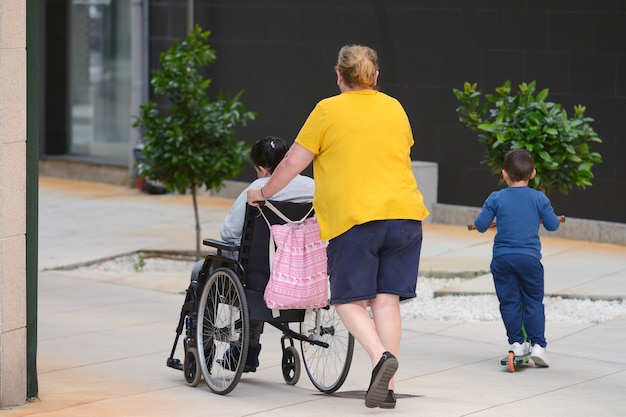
(368, 206)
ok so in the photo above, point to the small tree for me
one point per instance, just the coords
(192, 142)
(559, 145)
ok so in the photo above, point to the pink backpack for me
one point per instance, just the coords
(298, 268)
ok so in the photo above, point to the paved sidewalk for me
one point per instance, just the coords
(104, 337)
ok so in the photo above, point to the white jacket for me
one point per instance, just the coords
(299, 190)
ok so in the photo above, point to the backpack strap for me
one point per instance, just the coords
(282, 216)
(272, 245)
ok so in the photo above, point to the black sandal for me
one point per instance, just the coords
(379, 385)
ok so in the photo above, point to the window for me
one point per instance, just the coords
(100, 79)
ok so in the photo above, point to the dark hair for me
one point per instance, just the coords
(518, 164)
(267, 152)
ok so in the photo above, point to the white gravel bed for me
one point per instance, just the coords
(485, 307)
(425, 306)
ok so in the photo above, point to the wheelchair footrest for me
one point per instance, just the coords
(174, 363)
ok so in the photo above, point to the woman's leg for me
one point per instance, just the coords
(388, 323)
(354, 283)
(360, 280)
(379, 335)
(357, 320)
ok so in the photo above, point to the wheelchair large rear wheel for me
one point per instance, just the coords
(327, 367)
(222, 331)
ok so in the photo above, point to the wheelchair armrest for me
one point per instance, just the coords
(221, 245)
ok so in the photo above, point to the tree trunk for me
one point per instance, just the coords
(194, 198)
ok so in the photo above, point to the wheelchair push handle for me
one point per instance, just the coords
(493, 223)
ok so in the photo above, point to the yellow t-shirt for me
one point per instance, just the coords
(362, 167)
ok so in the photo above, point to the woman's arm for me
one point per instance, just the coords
(294, 162)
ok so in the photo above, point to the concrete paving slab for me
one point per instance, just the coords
(104, 338)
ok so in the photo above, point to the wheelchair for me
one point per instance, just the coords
(228, 294)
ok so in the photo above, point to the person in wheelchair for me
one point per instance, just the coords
(265, 155)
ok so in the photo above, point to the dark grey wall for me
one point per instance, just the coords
(282, 52)
(54, 80)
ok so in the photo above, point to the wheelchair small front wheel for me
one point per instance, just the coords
(191, 367)
(291, 365)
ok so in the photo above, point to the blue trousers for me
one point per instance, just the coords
(518, 280)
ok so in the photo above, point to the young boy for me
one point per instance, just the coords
(516, 264)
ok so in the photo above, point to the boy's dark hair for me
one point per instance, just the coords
(267, 152)
(519, 163)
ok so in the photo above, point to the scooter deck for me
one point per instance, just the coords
(513, 361)
(517, 360)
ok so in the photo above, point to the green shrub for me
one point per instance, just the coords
(560, 145)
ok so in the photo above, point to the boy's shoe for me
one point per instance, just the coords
(379, 385)
(520, 349)
(390, 401)
(539, 356)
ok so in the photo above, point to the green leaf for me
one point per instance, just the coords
(487, 127)
(542, 95)
(544, 156)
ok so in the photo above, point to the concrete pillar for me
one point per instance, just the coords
(12, 202)
(138, 92)
(427, 176)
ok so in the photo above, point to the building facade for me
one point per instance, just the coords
(281, 53)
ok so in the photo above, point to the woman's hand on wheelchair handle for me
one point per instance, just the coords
(255, 197)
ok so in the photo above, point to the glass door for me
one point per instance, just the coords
(100, 79)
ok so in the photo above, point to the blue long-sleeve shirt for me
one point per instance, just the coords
(519, 211)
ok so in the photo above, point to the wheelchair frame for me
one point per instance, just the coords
(218, 308)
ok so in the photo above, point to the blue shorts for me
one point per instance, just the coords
(378, 257)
